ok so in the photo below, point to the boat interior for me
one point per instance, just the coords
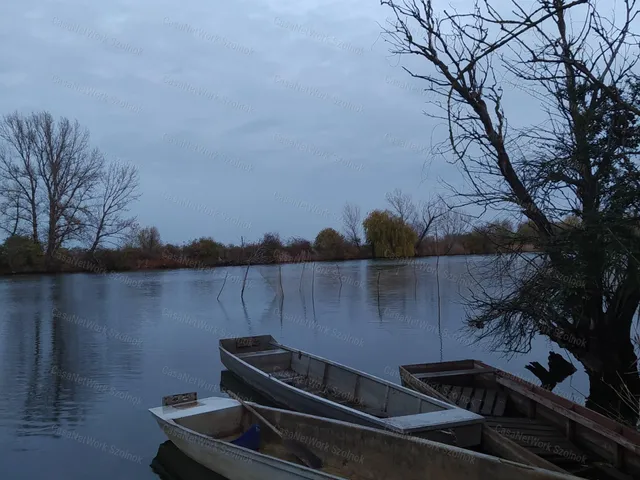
(345, 450)
(475, 386)
(237, 425)
(333, 382)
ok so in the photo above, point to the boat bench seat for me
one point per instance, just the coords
(262, 353)
(484, 401)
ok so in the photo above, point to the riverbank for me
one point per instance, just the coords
(80, 262)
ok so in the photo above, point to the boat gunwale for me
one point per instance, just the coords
(227, 448)
(469, 418)
(440, 448)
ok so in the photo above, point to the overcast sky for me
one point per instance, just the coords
(243, 117)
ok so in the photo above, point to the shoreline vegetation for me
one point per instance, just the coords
(145, 252)
(19, 255)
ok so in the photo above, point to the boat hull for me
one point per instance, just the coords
(232, 462)
(466, 426)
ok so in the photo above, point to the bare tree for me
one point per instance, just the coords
(401, 205)
(426, 215)
(118, 187)
(49, 172)
(69, 169)
(352, 222)
(583, 290)
(451, 225)
(148, 239)
(19, 172)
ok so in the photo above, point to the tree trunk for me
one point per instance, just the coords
(98, 237)
(615, 386)
(419, 242)
(34, 224)
(51, 238)
(16, 223)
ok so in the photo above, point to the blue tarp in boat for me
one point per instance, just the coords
(249, 439)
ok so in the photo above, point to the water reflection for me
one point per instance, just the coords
(55, 347)
(171, 464)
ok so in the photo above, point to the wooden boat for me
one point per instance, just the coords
(529, 424)
(311, 384)
(205, 429)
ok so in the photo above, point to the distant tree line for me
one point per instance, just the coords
(93, 234)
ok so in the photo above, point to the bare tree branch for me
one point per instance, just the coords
(118, 187)
(352, 222)
(401, 205)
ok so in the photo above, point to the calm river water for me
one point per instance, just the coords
(82, 357)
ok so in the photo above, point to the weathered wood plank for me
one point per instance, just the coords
(446, 389)
(500, 405)
(454, 394)
(504, 419)
(440, 366)
(500, 445)
(488, 402)
(452, 373)
(610, 434)
(465, 397)
(476, 401)
(530, 428)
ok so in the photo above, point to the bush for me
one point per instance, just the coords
(330, 244)
(22, 254)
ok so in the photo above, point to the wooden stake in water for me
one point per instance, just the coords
(339, 278)
(244, 281)
(223, 284)
(301, 275)
(280, 278)
(313, 285)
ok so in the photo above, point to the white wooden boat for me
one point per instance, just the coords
(204, 429)
(307, 383)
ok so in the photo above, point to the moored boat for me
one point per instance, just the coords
(213, 432)
(312, 384)
(529, 424)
